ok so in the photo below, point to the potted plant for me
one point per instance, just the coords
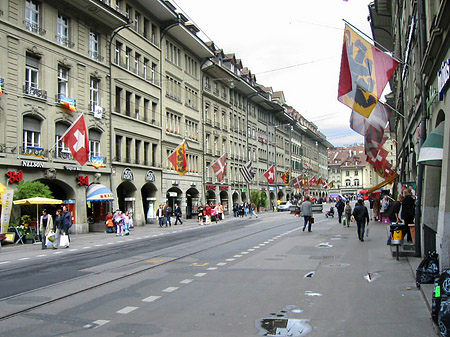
(25, 220)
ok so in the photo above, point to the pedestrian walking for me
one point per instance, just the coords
(119, 220)
(178, 214)
(306, 213)
(168, 211)
(58, 227)
(220, 212)
(246, 207)
(109, 223)
(376, 209)
(67, 217)
(208, 213)
(408, 212)
(200, 214)
(161, 216)
(126, 223)
(340, 208)
(45, 225)
(347, 213)
(235, 209)
(393, 211)
(241, 210)
(361, 215)
(252, 211)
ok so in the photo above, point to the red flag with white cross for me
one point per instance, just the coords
(77, 140)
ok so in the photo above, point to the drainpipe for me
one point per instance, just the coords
(421, 167)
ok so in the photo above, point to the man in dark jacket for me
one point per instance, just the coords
(340, 208)
(361, 215)
(178, 214)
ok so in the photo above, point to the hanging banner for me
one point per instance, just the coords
(7, 199)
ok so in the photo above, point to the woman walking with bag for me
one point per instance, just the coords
(45, 225)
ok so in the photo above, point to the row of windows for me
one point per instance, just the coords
(135, 62)
(32, 82)
(32, 139)
(135, 151)
(135, 106)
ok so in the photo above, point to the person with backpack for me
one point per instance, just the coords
(361, 215)
(340, 208)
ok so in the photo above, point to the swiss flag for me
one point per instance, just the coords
(270, 175)
(77, 140)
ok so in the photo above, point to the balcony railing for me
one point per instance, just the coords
(35, 92)
(34, 27)
(63, 155)
(34, 151)
(95, 55)
(64, 41)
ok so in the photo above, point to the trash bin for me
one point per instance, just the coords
(397, 233)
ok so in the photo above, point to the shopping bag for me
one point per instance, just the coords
(367, 230)
(64, 240)
(311, 220)
(344, 222)
(49, 239)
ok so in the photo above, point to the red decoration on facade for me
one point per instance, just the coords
(210, 187)
(14, 177)
(83, 180)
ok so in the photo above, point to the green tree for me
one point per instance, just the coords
(263, 199)
(31, 189)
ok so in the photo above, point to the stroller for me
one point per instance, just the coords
(330, 213)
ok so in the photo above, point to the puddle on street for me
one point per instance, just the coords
(282, 327)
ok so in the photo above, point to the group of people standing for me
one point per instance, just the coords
(209, 213)
(57, 229)
(244, 209)
(164, 215)
(119, 222)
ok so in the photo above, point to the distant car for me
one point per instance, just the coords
(284, 206)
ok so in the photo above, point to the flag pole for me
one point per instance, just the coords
(393, 109)
(375, 42)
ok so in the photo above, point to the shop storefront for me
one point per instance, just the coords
(223, 195)
(192, 200)
(99, 201)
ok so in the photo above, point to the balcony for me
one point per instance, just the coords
(35, 92)
(34, 151)
(34, 27)
(63, 155)
(95, 55)
(64, 41)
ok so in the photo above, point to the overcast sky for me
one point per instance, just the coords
(293, 46)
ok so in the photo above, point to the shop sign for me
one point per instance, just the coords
(14, 177)
(223, 188)
(30, 163)
(244, 190)
(72, 168)
(127, 174)
(150, 176)
(272, 188)
(210, 187)
(281, 187)
(69, 202)
(443, 79)
(83, 180)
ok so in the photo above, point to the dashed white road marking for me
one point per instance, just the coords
(200, 274)
(127, 310)
(4, 262)
(211, 268)
(24, 258)
(73, 249)
(98, 245)
(170, 289)
(221, 264)
(251, 250)
(238, 255)
(151, 299)
(187, 281)
(256, 247)
(229, 260)
(98, 324)
(87, 247)
(244, 253)
(41, 255)
(110, 243)
(59, 252)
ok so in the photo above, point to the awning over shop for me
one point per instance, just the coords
(380, 185)
(432, 152)
(98, 192)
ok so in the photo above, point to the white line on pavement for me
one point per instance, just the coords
(41, 255)
(221, 264)
(151, 299)
(127, 310)
(187, 281)
(211, 268)
(170, 289)
(73, 249)
(229, 260)
(87, 247)
(200, 274)
(24, 258)
(4, 262)
(98, 324)
(238, 255)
